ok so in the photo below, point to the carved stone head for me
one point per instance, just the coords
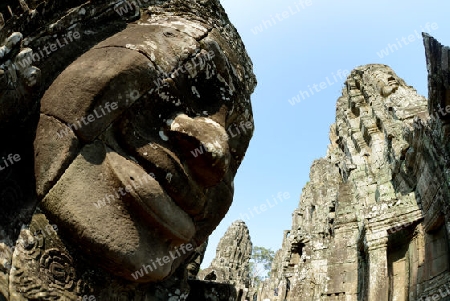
(140, 136)
(133, 152)
(386, 81)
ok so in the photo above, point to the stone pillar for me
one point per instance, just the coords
(378, 286)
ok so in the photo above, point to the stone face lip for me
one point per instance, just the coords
(371, 224)
(161, 210)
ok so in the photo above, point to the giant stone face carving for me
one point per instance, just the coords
(133, 157)
(92, 146)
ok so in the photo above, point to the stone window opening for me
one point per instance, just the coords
(311, 211)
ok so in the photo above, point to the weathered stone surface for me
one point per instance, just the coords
(193, 266)
(373, 221)
(438, 77)
(211, 291)
(115, 101)
(231, 264)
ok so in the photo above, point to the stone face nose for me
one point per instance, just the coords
(203, 143)
(391, 87)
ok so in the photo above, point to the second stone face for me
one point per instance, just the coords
(231, 264)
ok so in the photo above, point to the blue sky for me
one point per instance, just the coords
(304, 49)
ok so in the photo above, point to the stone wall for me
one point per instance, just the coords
(373, 221)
